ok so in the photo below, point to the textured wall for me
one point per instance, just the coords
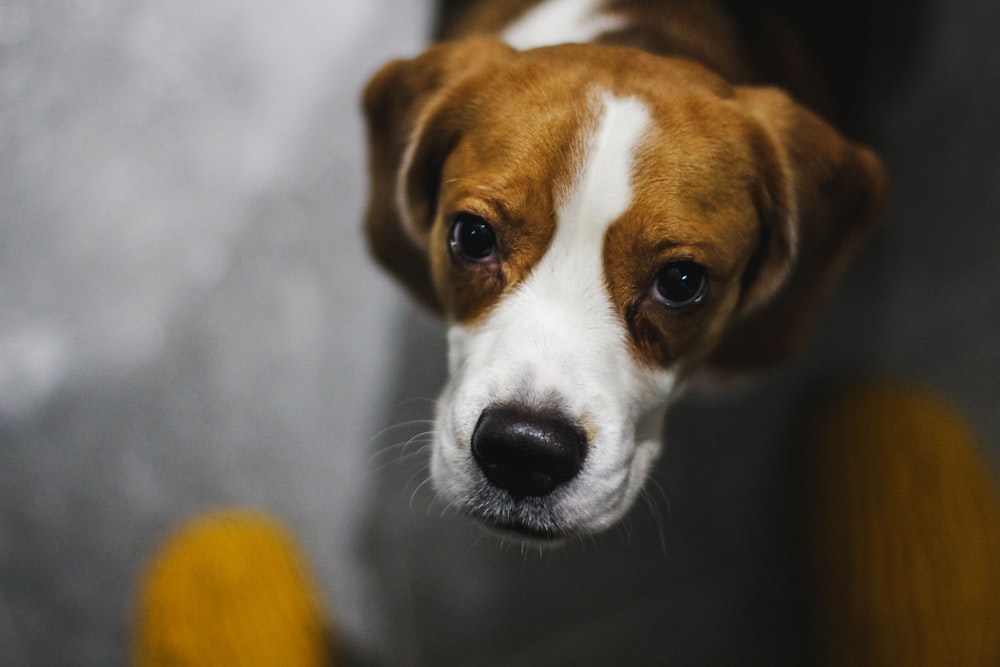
(187, 314)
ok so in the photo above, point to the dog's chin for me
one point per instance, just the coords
(530, 519)
(529, 535)
(538, 521)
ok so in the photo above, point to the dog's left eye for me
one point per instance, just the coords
(472, 238)
(680, 284)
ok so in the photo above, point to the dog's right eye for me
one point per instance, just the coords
(472, 238)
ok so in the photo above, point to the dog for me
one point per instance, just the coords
(600, 198)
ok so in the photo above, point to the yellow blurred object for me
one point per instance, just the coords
(905, 533)
(230, 589)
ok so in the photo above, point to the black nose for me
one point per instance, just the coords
(527, 452)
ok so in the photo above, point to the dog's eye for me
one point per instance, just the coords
(680, 284)
(472, 238)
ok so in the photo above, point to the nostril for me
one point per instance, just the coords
(527, 452)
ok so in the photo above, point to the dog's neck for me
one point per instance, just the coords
(698, 30)
(758, 49)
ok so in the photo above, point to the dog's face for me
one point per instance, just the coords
(595, 223)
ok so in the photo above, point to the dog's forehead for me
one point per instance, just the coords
(531, 117)
(529, 128)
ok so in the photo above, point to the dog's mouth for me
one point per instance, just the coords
(570, 511)
(531, 518)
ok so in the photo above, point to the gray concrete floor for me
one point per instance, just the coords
(188, 320)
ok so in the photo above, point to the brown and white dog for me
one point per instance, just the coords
(599, 200)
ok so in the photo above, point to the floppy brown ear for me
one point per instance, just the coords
(411, 130)
(821, 193)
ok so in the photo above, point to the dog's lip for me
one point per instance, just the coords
(526, 532)
(531, 519)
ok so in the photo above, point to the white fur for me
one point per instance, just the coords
(560, 22)
(558, 337)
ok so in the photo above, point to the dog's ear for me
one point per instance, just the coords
(411, 130)
(818, 195)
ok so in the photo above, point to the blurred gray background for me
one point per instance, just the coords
(188, 320)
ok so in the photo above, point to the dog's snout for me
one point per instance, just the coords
(527, 452)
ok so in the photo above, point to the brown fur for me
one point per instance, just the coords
(905, 533)
(744, 180)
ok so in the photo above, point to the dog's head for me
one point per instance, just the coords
(595, 223)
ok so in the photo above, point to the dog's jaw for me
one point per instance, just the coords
(557, 342)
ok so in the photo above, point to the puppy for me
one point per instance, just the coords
(599, 203)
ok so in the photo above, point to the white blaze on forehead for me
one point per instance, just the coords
(581, 342)
(603, 187)
(559, 329)
(560, 22)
